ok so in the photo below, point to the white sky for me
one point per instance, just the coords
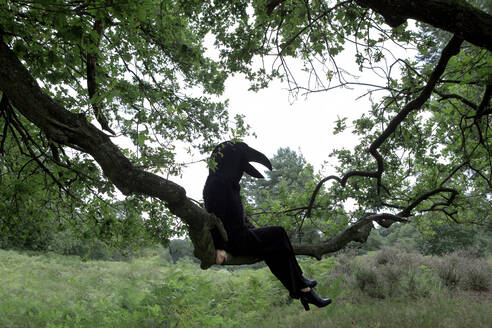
(305, 125)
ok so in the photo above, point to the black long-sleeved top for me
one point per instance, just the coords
(223, 199)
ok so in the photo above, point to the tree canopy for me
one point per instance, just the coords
(98, 95)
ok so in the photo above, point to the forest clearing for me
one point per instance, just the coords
(128, 134)
(388, 288)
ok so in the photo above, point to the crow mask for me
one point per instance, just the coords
(230, 159)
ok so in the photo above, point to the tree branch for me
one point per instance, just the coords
(481, 110)
(286, 44)
(451, 49)
(457, 17)
(455, 96)
(71, 129)
(92, 81)
(74, 129)
(272, 5)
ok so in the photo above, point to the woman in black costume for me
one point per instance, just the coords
(222, 197)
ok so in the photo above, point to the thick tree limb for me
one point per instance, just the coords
(457, 17)
(358, 231)
(72, 129)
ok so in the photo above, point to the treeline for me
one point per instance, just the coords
(431, 239)
(437, 239)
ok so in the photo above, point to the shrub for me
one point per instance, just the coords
(463, 269)
(421, 282)
(392, 276)
(344, 265)
(477, 276)
(180, 248)
(386, 256)
(395, 273)
(99, 251)
(366, 278)
(470, 253)
(29, 232)
(66, 243)
(447, 269)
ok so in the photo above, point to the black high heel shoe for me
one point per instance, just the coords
(310, 283)
(313, 298)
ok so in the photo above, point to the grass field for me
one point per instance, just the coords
(49, 290)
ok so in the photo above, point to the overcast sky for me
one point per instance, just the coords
(304, 124)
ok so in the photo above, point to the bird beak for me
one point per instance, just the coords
(252, 155)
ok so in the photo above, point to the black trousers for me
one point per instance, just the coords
(272, 244)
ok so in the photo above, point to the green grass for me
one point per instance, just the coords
(436, 312)
(48, 290)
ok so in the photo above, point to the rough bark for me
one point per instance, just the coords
(457, 17)
(74, 130)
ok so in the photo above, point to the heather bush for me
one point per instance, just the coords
(344, 265)
(469, 253)
(368, 281)
(392, 277)
(477, 275)
(464, 269)
(394, 273)
(387, 256)
(448, 270)
(421, 282)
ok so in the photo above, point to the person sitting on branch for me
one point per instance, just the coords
(221, 195)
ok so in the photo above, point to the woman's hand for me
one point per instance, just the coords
(220, 256)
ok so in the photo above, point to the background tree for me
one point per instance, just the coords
(441, 238)
(133, 68)
(281, 198)
(180, 248)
